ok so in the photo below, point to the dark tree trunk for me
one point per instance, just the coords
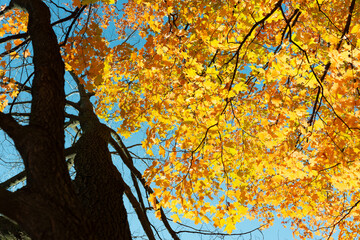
(49, 207)
(98, 185)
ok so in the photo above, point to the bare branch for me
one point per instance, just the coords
(20, 177)
(126, 157)
(15, 180)
(13, 37)
(7, 9)
(140, 213)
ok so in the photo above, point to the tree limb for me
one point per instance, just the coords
(140, 213)
(11, 127)
(13, 181)
(11, 230)
(20, 177)
(126, 157)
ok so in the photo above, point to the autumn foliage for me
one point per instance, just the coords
(251, 106)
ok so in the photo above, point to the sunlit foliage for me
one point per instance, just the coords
(252, 106)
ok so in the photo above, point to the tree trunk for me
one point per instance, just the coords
(49, 207)
(98, 185)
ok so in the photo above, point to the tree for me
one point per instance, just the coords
(54, 205)
(253, 108)
(51, 206)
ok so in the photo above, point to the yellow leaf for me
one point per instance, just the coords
(229, 227)
(28, 54)
(197, 220)
(134, 56)
(190, 73)
(205, 219)
(239, 87)
(175, 218)
(277, 178)
(149, 152)
(355, 29)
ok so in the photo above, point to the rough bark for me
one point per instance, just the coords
(48, 207)
(98, 184)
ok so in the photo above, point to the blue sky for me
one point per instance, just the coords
(276, 232)
(10, 164)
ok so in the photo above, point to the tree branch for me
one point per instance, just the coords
(20, 177)
(11, 127)
(140, 213)
(7, 9)
(13, 37)
(127, 159)
(11, 230)
(15, 180)
(74, 15)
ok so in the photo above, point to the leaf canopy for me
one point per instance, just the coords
(251, 106)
